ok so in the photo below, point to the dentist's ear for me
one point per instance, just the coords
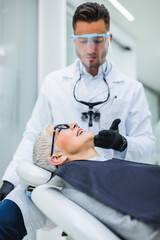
(111, 36)
(58, 159)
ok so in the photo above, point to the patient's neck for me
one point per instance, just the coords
(89, 154)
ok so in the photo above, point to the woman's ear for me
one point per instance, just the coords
(58, 159)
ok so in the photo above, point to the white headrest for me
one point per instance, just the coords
(32, 174)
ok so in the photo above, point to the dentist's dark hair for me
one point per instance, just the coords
(91, 12)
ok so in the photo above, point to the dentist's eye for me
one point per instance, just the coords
(59, 129)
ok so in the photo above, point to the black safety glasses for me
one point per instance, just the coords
(60, 127)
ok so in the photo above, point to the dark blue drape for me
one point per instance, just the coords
(132, 188)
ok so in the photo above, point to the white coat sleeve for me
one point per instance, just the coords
(41, 116)
(139, 134)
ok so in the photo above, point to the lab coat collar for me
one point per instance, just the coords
(72, 70)
(113, 74)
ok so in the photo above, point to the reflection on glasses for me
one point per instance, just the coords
(59, 127)
(94, 38)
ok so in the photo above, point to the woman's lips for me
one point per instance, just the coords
(79, 131)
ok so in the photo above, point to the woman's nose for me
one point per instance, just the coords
(73, 125)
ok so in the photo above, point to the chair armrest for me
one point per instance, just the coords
(32, 175)
(74, 220)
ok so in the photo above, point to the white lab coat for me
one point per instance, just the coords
(56, 104)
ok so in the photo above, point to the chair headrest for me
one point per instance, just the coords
(32, 174)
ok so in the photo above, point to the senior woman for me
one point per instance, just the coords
(123, 195)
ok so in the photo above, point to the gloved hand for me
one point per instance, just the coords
(6, 188)
(111, 138)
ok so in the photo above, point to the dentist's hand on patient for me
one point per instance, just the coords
(111, 138)
(6, 188)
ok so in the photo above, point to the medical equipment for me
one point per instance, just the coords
(93, 115)
(94, 38)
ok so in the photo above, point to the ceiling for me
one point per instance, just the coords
(146, 32)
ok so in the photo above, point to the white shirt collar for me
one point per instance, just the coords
(100, 158)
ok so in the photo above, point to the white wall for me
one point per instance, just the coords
(123, 53)
(52, 36)
(18, 73)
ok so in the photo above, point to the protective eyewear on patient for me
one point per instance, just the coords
(94, 38)
(59, 127)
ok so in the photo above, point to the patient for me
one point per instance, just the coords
(115, 191)
(70, 143)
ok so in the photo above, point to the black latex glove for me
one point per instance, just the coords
(6, 188)
(111, 138)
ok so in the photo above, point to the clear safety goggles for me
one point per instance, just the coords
(94, 38)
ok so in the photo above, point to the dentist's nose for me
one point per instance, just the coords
(90, 47)
(73, 125)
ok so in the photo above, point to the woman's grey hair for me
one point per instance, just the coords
(42, 150)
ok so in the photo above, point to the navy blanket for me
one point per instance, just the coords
(132, 188)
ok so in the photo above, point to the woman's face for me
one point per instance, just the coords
(73, 139)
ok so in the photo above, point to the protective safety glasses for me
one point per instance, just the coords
(59, 127)
(94, 38)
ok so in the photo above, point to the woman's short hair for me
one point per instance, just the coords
(42, 150)
(91, 12)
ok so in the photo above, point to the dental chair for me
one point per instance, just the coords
(46, 194)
